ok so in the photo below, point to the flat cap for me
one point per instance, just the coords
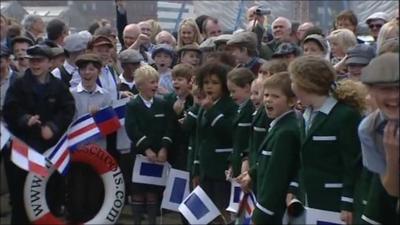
(4, 51)
(286, 48)
(245, 39)
(189, 47)
(75, 43)
(223, 39)
(39, 51)
(383, 69)
(163, 48)
(208, 44)
(130, 56)
(360, 54)
(88, 57)
(377, 16)
(99, 41)
(21, 39)
(319, 39)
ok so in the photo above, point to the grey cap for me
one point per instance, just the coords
(383, 69)
(377, 16)
(245, 39)
(319, 39)
(360, 54)
(223, 39)
(75, 43)
(39, 51)
(57, 51)
(208, 44)
(286, 48)
(130, 56)
(163, 48)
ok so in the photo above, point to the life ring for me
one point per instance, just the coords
(114, 189)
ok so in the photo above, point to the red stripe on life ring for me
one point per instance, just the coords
(98, 158)
(48, 218)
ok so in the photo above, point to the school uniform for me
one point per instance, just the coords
(330, 156)
(181, 139)
(189, 127)
(278, 162)
(213, 147)
(258, 133)
(241, 134)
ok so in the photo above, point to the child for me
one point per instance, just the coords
(379, 136)
(180, 101)
(214, 132)
(130, 60)
(163, 56)
(148, 125)
(278, 156)
(330, 148)
(271, 67)
(190, 54)
(239, 82)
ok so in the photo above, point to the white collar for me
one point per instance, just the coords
(148, 103)
(326, 108)
(70, 68)
(275, 121)
(80, 89)
(123, 80)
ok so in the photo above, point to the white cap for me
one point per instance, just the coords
(378, 16)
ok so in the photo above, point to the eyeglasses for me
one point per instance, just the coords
(371, 26)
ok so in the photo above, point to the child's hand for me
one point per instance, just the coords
(126, 94)
(162, 90)
(346, 217)
(178, 107)
(206, 102)
(244, 180)
(195, 181)
(93, 109)
(151, 156)
(228, 173)
(162, 155)
(35, 119)
(245, 166)
(47, 133)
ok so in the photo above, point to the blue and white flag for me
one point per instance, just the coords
(123, 141)
(4, 136)
(236, 197)
(59, 155)
(322, 217)
(198, 208)
(147, 172)
(176, 190)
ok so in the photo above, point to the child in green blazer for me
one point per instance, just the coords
(149, 125)
(214, 132)
(278, 157)
(239, 83)
(330, 148)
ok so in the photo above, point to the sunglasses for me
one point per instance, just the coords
(371, 26)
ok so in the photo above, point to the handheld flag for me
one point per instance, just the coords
(83, 131)
(147, 172)
(59, 155)
(107, 121)
(246, 208)
(198, 208)
(322, 217)
(236, 197)
(4, 136)
(176, 190)
(28, 159)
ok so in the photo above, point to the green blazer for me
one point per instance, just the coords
(214, 138)
(331, 159)
(241, 135)
(189, 127)
(149, 127)
(278, 162)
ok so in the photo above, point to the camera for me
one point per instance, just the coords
(262, 12)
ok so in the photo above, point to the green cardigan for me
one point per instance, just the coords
(149, 127)
(189, 127)
(331, 159)
(214, 138)
(278, 162)
(241, 135)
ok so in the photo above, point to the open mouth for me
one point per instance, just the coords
(269, 108)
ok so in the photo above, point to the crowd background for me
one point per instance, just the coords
(208, 76)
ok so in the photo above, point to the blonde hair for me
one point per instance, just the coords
(197, 35)
(145, 73)
(280, 81)
(389, 30)
(155, 29)
(274, 66)
(317, 76)
(344, 37)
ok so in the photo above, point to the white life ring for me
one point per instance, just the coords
(114, 189)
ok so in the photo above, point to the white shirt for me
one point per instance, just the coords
(148, 103)
(124, 81)
(71, 69)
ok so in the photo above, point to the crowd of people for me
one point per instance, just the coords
(292, 113)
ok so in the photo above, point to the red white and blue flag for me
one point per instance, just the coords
(107, 121)
(28, 159)
(247, 207)
(59, 155)
(83, 131)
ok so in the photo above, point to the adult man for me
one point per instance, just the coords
(301, 30)
(34, 28)
(375, 22)
(211, 28)
(281, 30)
(38, 109)
(165, 37)
(57, 30)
